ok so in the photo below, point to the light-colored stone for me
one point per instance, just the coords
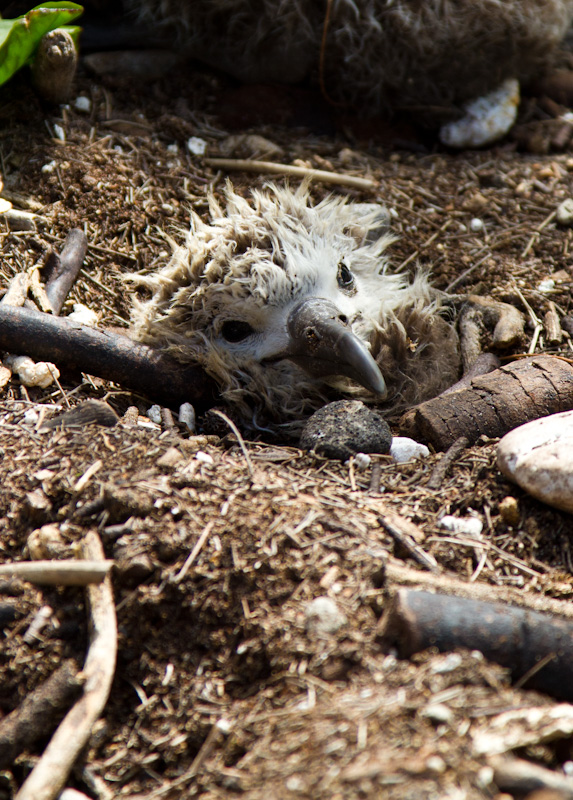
(538, 456)
(322, 617)
(404, 449)
(565, 213)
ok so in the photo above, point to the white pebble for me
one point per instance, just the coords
(31, 416)
(404, 449)
(438, 712)
(564, 214)
(547, 285)
(362, 461)
(154, 414)
(447, 664)
(173, 148)
(83, 315)
(197, 146)
(322, 616)
(82, 103)
(468, 526)
(486, 119)
(476, 224)
(59, 133)
(49, 167)
(187, 416)
(204, 458)
(42, 373)
(538, 456)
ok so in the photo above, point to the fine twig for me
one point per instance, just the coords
(450, 457)
(63, 269)
(194, 552)
(48, 777)
(240, 439)
(57, 573)
(404, 533)
(288, 170)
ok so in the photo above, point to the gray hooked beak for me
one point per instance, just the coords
(322, 343)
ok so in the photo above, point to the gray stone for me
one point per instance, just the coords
(344, 428)
(538, 456)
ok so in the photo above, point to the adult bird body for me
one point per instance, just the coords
(287, 305)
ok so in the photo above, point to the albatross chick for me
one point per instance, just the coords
(288, 305)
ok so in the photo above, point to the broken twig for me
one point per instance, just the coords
(290, 171)
(57, 573)
(49, 776)
(63, 269)
(513, 637)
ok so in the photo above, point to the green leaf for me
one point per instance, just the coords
(20, 37)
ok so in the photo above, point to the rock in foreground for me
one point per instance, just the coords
(538, 457)
(344, 428)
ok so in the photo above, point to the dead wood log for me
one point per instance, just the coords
(62, 270)
(106, 354)
(516, 638)
(495, 403)
(36, 716)
(50, 774)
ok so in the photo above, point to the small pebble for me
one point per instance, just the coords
(404, 449)
(486, 119)
(465, 526)
(187, 416)
(83, 315)
(538, 456)
(154, 414)
(564, 214)
(509, 510)
(197, 146)
(31, 416)
(49, 167)
(362, 461)
(82, 103)
(446, 664)
(322, 617)
(436, 764)
(47, 542)
(20, 220)
(546, 286)
(476, 225)
(41, 373)
(59, 133)
(204, 458)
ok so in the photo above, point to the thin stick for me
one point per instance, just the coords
(242, 165)
(240, 439)
(195, 552)
(392, 525)
(50, 774)
(63, 269)
(58, 573)
(450, 456)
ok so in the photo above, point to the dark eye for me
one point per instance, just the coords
(236, 330)
(344, 277)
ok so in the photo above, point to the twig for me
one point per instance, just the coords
(103, 353)
(34, 718)
(195, 552)
(450, 456)
(48, 777)
(62, 270)
(240, 439)
(521, 777)
(536, 233)
(399, 530)
(289, 170)
(58, 573)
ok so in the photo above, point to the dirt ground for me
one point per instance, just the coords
(221, 688)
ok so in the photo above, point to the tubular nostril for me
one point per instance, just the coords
(343, 318)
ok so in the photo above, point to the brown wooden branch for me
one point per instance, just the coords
(106, 354)
(37, 715)
(495, 403)
(62, 270)
(513, 637)
(50, 774)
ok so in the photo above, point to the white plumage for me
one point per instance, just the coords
(278, 299)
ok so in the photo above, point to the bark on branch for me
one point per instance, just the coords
(103, 353)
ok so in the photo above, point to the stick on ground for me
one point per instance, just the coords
(513, 637)
(50, 774)
(62, 270)
(103, 353)
(495, 403)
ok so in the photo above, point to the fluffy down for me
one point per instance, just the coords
(224, 298)
(379, 54)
